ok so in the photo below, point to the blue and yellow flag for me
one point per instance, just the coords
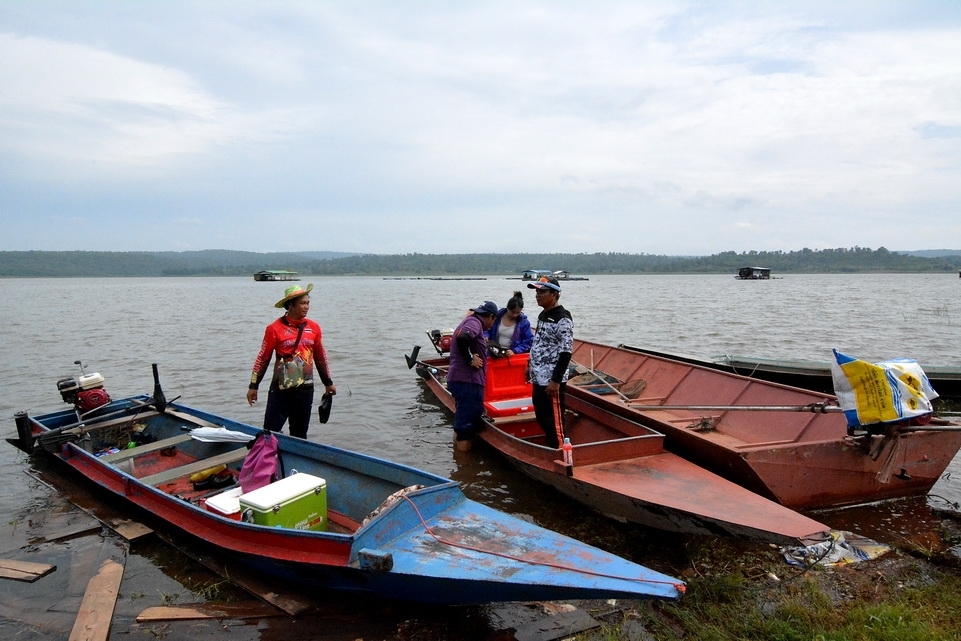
(887, 392)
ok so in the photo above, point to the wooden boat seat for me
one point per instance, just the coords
(197, 466)
(133, 452)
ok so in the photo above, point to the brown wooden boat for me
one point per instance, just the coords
(782, 442)
(812, 375)
(620, 467)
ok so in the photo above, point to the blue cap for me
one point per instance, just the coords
(487, 308)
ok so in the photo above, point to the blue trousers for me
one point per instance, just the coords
(469, 404)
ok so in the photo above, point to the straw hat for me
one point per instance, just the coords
(294, 291)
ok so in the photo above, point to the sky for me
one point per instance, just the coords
(670, 128)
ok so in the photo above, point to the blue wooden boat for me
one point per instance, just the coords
(391, 530)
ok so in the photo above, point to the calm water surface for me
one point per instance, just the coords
(204, 333)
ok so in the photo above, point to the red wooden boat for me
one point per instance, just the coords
(812, 375)
(621, 468)
(769, 438)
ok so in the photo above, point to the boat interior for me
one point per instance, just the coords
(664, 382)
(597, 436)
(157, 449)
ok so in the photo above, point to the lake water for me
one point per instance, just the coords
(204, 333)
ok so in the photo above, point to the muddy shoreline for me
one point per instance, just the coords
(165, 569)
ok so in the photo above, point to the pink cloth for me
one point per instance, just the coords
(260, 465)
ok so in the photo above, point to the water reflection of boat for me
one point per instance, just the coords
(770, 438)
(621, 468)
(369, 525)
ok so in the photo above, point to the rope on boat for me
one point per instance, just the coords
(680, 587)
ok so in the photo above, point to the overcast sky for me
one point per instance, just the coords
(679, 128)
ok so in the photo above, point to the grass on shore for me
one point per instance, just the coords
(735, 595)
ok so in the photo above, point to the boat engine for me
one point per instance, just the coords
(84, 392)
(441, 339)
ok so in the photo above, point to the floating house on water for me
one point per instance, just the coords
(534, 274)
(275, 274)
(753, 273)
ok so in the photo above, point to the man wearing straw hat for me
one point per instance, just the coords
(550, 355)
(297, 341)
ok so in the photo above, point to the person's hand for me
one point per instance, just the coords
(476, 361)
(509, 352)
(251, 396)
(553, 388)
(331, 389)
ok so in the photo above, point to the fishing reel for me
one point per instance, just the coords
(84, 392)
(496, 350)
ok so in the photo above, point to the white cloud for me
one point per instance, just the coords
(658, 127)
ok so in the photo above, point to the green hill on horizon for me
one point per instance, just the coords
(221, 262)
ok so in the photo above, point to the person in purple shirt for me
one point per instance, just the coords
(468, 371)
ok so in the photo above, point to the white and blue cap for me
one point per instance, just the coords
(487, 308)
(545, 282)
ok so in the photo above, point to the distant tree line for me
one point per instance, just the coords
(35, 264)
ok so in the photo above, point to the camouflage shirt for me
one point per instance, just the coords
(552, 346)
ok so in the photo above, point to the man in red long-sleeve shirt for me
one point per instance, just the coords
(298, 343)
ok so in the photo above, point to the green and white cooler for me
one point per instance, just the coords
(298, 502)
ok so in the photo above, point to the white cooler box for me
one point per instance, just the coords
(227, 503)
(298, 501)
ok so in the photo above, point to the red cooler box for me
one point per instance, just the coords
(507, 392)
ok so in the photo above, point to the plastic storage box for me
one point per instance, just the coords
(227, 503)
(298, 501)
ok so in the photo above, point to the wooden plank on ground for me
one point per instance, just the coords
(251, 610)
(557, 626)
(129, 530)
(96, 609)
(292, 603)
(98, 514)
(24, 570)
(78, 527)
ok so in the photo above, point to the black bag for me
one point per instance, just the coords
(323, 410)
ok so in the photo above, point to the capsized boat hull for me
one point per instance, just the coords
(621, 468)
(430, 545)
(803, 460)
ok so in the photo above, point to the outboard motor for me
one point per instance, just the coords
(84, 392)
(441, 339)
